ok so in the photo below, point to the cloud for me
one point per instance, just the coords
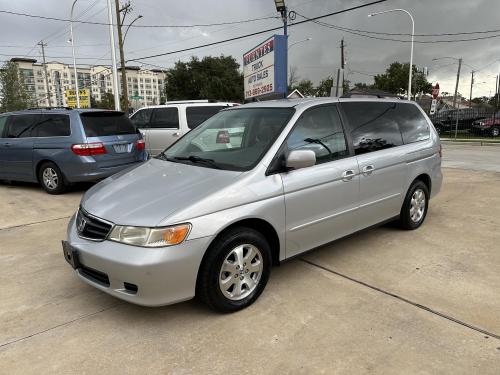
(314, 59)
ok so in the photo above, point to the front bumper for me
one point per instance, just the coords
(162, 275)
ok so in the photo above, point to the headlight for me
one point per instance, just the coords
(150, 237)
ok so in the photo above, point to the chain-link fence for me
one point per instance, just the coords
(467, 123)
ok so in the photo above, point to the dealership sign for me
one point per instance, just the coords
(84, 98)
(264, 69)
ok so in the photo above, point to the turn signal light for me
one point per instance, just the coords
(89, 149)
(140, 145)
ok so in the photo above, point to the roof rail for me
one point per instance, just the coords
(38, 108)
(187, 101)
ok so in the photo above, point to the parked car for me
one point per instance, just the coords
(162, 125)
(209, 221)
(445, 121)
(57, 147)
(489, 126)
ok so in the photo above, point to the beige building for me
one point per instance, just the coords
(145, 87)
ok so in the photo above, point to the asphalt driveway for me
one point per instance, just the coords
(383, 301)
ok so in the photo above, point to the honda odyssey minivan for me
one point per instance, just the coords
(210, 221)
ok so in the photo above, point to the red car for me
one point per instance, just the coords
(489, 125)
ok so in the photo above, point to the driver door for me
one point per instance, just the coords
(321, 201)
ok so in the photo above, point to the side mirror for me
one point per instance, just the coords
(298, 159)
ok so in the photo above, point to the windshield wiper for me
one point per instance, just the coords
(316, 140)
(197, 159)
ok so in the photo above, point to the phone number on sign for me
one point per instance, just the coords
(259, 90)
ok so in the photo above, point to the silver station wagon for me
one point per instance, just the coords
(206, 220)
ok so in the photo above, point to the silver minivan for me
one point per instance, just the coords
(205, 220)
(162, 125)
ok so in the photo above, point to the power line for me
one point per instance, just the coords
(259, 32)
(404, 34)
(137, 26)
(330, 26)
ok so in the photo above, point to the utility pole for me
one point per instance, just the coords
(119, 21)
(471, 84)
(113, 56)
(43, 45)
(456, 85)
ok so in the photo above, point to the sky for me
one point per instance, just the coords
(313, 59)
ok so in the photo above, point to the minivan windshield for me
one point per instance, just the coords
(100, 124)
(233, 139)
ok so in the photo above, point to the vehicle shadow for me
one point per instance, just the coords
(79, 187)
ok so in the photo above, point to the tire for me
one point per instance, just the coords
(415, 206)
(51, 178)
(226, 282)
(495, 131)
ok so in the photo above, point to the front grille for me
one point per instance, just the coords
(91, 227)
(94, 275)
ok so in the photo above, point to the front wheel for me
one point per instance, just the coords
(415, 206)
(235, 270)
(495, 132)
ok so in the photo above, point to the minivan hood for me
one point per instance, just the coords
(145, 195)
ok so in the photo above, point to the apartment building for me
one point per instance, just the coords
(145, 87)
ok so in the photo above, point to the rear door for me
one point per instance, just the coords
(164, 129)
(381, 156)
(16, 154)
(116, 132)
(321, 201)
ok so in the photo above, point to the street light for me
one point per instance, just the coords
(128, 27)
(74, 59)
(412, 35)
(458, 75)
(300, 41)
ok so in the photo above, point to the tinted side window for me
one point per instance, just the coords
(19, 125)
(196, 115)
(374, 125)
(3, 121)
(412, 123)
(141, 118)
(320, 130)
(165, 118)
(52, 126)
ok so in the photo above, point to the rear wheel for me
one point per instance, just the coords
(415, 206)
(51, 178)
(235, 270)
(495, 131)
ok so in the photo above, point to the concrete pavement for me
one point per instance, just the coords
(383, 301)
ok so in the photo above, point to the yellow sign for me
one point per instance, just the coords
(84, 98)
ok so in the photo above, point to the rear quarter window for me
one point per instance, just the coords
(3, 121)
(195, 115)
(100, 124)
(412, 123)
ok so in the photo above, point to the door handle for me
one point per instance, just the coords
(368, 169)
(348, 175)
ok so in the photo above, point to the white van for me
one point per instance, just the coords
(162, 125)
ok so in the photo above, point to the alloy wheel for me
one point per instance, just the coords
(50, 178)
(240, 272)
(417, 205)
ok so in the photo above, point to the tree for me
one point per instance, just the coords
(325, 86)
(293, 78)
(13, 91)
(395, 80)
(216, 78)
(306, 87)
